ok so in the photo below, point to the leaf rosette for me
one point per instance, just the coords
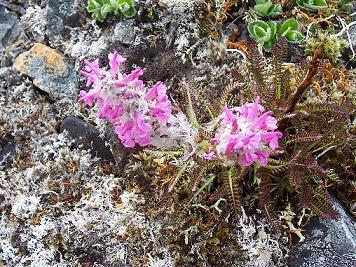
(312, 4)
(263, 33)
(265, 8)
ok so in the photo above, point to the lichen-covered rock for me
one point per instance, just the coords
(11, 36)
(7, 152)
(124, 32)
(61, 17)
(87, 137)
(50, 70)
(328, 243)
(11, 30)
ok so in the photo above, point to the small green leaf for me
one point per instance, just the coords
(131, 12)
(312, 4)
(289, 24)
(114, 4)
(290, 29)
(263, 32)
(320, 3)
(261, 2)
(268, 45)
(294, 36)
(210, 179)
(100, 8)
(267, 9)
(261, 10)
(106, 9)
(275, 10)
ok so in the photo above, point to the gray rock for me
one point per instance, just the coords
(61, 17)
(124, 32)
(50, 70)
(10, 28)
(7, 153)
(86, 136)
(328, 243)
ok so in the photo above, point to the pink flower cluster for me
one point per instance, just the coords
(123, 99)
(245, 135)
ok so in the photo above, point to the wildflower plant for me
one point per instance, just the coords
(245, 135)
(135, 110)
(270, 140)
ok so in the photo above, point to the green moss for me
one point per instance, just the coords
(333, 45)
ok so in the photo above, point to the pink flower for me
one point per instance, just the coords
(115, 60)
(271, 138)
(141, 131)
(246, 134)
(116, 112)
(125, 101)
(123, 131)
(129, 78)
(229, 118)
(162, 108)
(92, 71)
(162, 111)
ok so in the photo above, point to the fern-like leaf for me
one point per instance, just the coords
(304, 138)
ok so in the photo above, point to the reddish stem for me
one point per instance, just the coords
(312, 70)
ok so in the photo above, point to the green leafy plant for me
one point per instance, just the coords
(265, 8)
(101, 8)
(312, 4)
(263, 33)
(345, 6)
(290, 29)
(310, 131)
(298, 174)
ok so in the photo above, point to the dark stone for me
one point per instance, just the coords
(7, 153)
(124, 32)
(14, 7)
(295, 53)
(87, 137)
(10, 28)
(328, 243)
(121, 153)
(62, 16)
(11, 36)
(159, 63)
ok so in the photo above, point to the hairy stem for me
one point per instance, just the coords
(312, 70)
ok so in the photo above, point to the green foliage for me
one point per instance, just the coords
(290, 29)
(265, 8)
(298, 174)
(263, 33)
(312, 4)
(345, 6)
(333, 45)
(101, 8)
(319, 126)
(230, 177)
